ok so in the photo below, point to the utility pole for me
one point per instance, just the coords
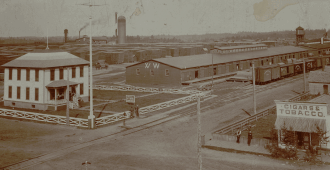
(199, 129)
(304, 75)
(67, 98)
(254, 90)
(91, 117)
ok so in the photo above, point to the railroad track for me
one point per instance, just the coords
(186, 112)
(46, 157)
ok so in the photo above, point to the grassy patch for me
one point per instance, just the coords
(122, 106)
(115, 95)
(261, 128)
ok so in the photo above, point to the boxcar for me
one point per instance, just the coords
(263, 74)
(276, 72)
(284, 70)
(309, 64)
(290, 69)
(298, 68)
(327, 60)
(318, 62)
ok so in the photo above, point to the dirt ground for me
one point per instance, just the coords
(168, 146)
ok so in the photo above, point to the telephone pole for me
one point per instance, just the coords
(199, 130)
(91, 117)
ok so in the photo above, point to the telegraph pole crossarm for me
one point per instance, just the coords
(91, 117)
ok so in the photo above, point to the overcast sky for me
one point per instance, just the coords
(174, 17)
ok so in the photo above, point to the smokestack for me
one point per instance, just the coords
(116, 17)
(116, 33)
(79, 34)
(66, 35)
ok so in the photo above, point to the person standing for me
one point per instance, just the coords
(132, 111)
(238, 133)
(249, 137)
(137, 111)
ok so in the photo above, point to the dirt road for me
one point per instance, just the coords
(171, 145)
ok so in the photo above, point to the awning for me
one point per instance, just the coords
(60, 83)
(300, 124)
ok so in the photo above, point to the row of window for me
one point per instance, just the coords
(52, 74)
(27, 91)
(36, 91)
(61, 76)
(152, 73)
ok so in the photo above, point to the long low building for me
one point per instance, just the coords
(177, 70)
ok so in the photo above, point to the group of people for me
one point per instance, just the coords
(238, 134)
(135, 111)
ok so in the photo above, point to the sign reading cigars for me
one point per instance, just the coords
(305, 110)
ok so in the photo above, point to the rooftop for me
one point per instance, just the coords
(206, 59)
(46, 60)
(240, 46)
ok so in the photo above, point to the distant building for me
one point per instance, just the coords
(96, 40)
(39, 80)
(319, 81)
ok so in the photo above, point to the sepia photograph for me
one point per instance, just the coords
(164, 84)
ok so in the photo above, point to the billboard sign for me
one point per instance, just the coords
(130, 99)
(305, 110)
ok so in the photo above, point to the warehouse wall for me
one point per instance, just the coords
(144, 77)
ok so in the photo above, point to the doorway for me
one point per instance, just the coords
(196, 74)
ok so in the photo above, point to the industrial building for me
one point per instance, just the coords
(319, 81)
(188, 69)
(39, 80)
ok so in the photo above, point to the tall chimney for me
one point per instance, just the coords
(66, 35)
(79, 34)
(116, 17)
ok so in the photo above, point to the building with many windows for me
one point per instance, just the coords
(39, 80)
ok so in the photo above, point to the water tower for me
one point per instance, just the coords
(121, 30)
(300, 35)
(66, 35)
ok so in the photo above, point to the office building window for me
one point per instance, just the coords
(10, 90)
(27, 74)
(36, 74)
(10, 73)
(52, 75)
(73, 72)
(27, 93)
(18, 93)
(61, 73)
(81, 71)
(18, 74)
(36, 94)
(137, 71)
(81, 89)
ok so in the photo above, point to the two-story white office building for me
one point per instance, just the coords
(39, 80)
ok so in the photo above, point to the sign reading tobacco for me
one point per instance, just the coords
(307, 110)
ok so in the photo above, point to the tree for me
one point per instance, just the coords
(288, 140)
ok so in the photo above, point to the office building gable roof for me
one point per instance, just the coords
(45, 60)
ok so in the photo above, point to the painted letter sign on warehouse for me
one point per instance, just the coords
(306, 110)
(130, 98)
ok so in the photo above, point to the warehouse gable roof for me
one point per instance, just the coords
(45, 60)
(206, 59)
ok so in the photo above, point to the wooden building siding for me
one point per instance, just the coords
(315, 88)
(159, 77)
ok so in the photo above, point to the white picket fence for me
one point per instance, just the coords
(145, 89)
(43, 117)
(102, 120)
(121, 116)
